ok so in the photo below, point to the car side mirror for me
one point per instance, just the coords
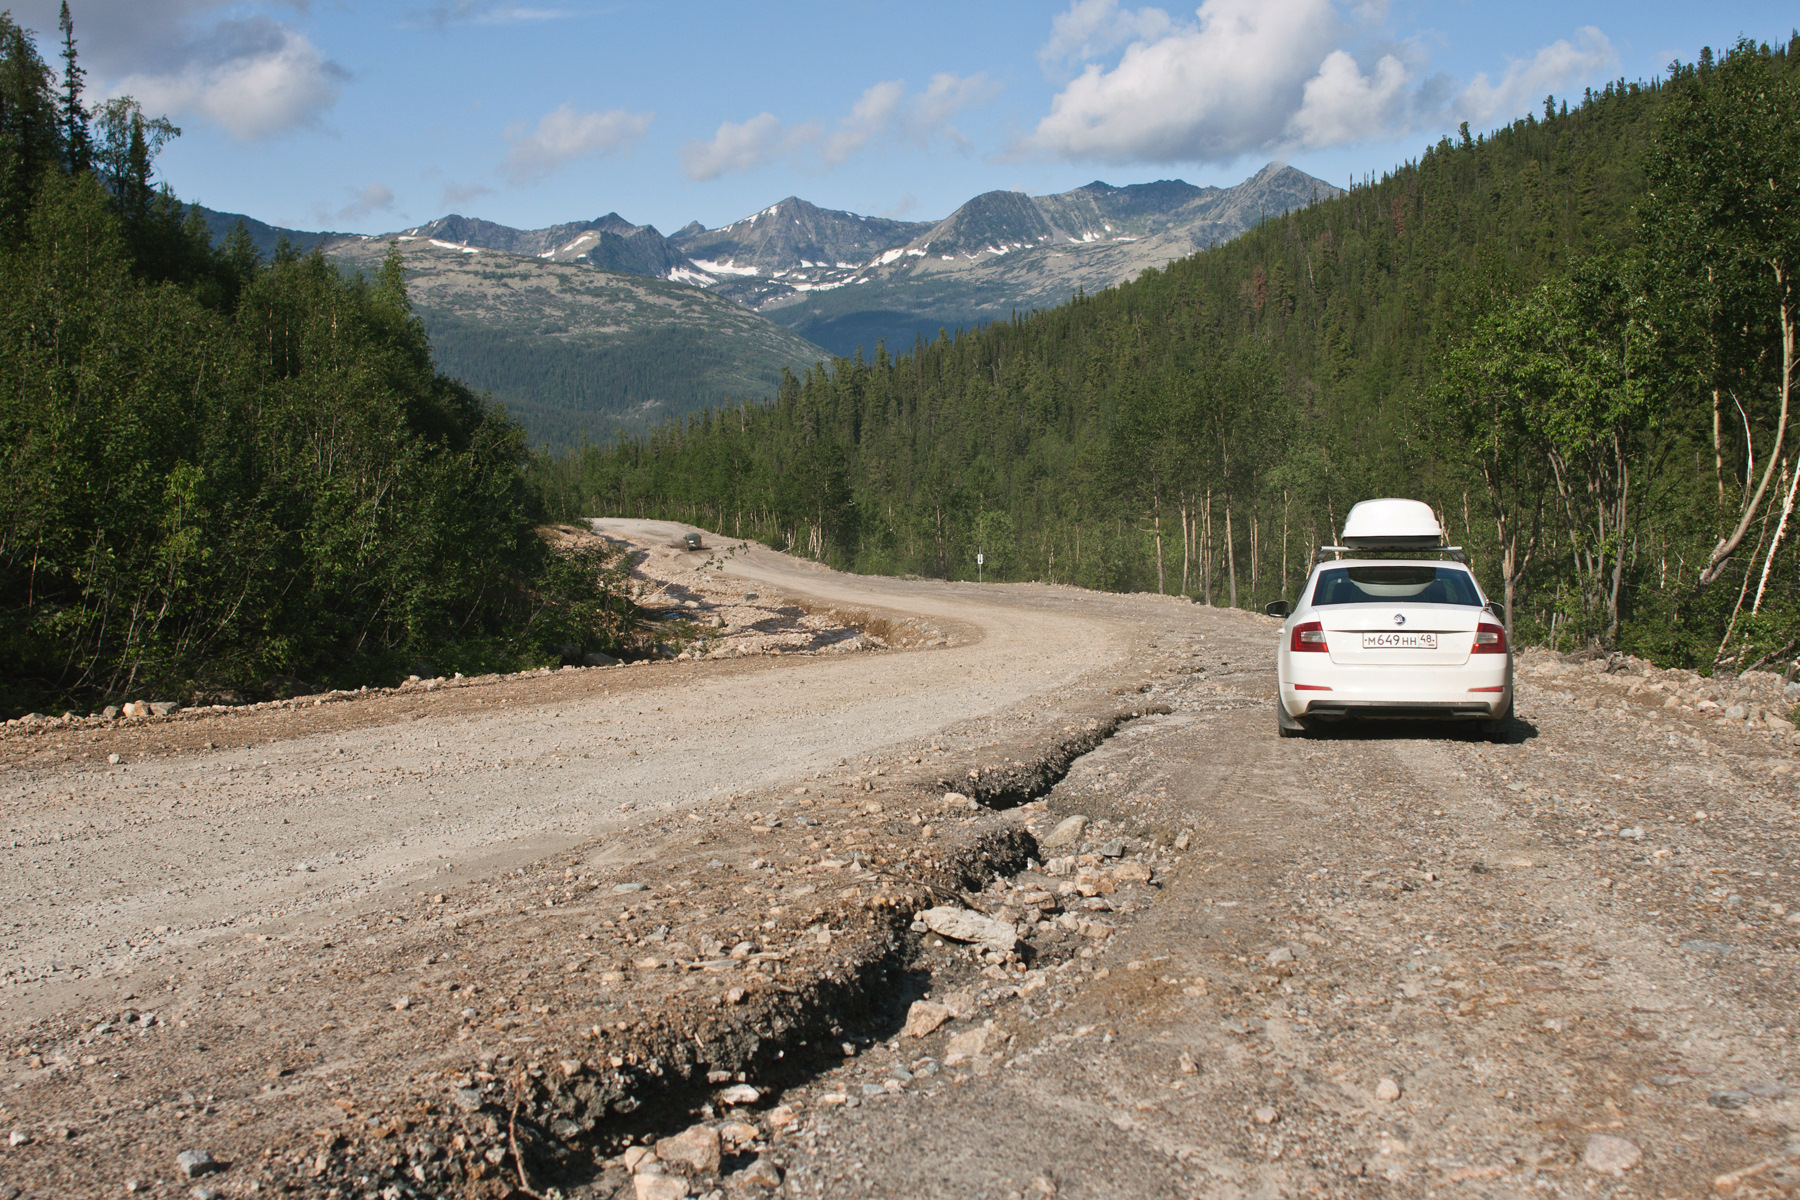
(1495, 607)
(1278, 608)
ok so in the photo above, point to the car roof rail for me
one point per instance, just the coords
(1455, 553)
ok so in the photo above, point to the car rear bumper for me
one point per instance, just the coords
(1404, 710)
(1480, 689)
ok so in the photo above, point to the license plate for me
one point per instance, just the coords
(1399, 641)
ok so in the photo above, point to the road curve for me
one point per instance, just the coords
(103, 866)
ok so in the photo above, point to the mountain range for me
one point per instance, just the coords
(592, 327)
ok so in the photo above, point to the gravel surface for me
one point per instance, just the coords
(738, 926)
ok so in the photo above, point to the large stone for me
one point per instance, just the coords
(966, 1045)
(195, 1163)
(760, 1175)
(1610, 1155)
(696, 1148)
(1068, 832)
(660, 1187)
(962, 925)
(924, 1017)
(740, 1093)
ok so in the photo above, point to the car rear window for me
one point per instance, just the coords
(1416, 583)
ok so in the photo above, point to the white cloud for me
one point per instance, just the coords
(871, 114)
(1341, 104)
(1092, 27)
(1253, 76)
(741, 145)
(1560, 66)
(564, 134)
(457, 193)
(245, 71)
(944, 97)
(483, 12)
(873, 111)
(255, 78)
(1213, 90)
(883, 110)
(371, 198)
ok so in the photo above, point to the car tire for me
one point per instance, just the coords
(1498, 727)
(1286, 726)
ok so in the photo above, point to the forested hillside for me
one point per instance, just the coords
(1573, 335)
(580, 354)
(226, 473)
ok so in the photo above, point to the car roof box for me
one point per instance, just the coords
(1392, 525)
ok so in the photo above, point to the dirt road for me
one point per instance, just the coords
(265, 826)
(1377, 962)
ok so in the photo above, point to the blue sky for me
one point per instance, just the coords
(373, 116)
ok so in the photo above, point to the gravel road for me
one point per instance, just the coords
(241, 827)
(1381, 961)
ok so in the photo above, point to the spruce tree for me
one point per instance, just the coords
(78, 147)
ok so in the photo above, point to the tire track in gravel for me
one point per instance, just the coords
(1376, 905)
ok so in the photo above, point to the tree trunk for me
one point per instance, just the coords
(1612, 599)
(1286, 505)
(1255, 555)
(1186, 547)
(1727, 546)
(1787, 510)
(1206, 554)
(1161, 582)
(1508, 563)
(1230, 552)
(1718, 450)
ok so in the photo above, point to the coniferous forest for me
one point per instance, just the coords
(1574, 336)
(228, 473)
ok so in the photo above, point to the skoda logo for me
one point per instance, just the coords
(1399, 618)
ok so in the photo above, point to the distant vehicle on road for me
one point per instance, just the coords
(1402, 629)
(692, 541)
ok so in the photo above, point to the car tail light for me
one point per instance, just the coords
(1489, 639)
(1309, 637)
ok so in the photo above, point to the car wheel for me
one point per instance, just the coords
(1497, 728)
(1287, 726)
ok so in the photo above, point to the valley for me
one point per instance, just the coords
(588, 329)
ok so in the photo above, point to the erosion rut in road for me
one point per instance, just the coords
(551, 920)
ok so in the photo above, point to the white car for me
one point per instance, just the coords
(1375, 636)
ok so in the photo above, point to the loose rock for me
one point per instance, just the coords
(761, 1174)
(924, 1018)
(1387, 1091)
(1610, 1155)
(965, 1045)
(195, 1163)
(962, 925)
(696, 1148)
(1068, 832)
(660, 1187)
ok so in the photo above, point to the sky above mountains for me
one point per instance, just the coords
(374, 116)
